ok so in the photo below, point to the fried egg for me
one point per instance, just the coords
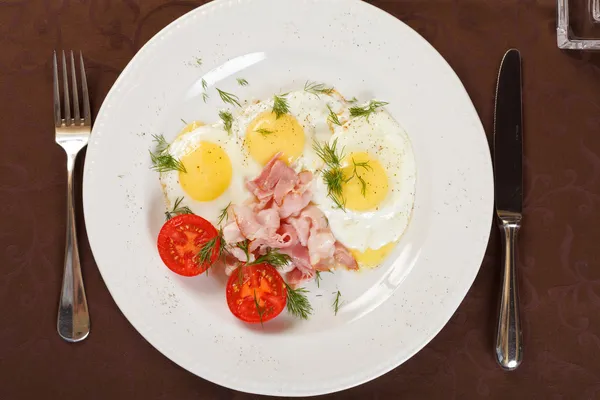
(378, 186)
(215, 171)
(266, 134)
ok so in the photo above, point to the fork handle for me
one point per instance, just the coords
(509, 342)
(73, 323)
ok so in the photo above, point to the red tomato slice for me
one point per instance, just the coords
(179, 241)
(258, 296)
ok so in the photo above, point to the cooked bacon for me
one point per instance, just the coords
(343, 257)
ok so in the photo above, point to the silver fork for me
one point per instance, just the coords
(73, 323)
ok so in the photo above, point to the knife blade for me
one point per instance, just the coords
(508, 185)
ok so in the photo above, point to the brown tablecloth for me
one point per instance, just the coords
(559, 262)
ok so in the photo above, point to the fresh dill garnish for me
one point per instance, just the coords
(297, 302)
(161, 143)
(258, 309)
(318, 277)
(366, 111)
(177, 210)
(242, 82)
(205, 96)
(332, 173)
(329, 153)
(264, 132)
(182, 120)
(336, 303)
(204, 84)
(333, 117)
(161, 160)
(198, 61)
(317, 88)
(223, 216)
(355, 174)
(272, 257)
(229, 98)
(227, 120)
(244, 245)
(353, 100)
(280, 105)
(206, 251)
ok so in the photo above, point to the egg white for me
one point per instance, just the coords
(383, 138)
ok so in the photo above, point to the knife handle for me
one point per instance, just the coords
(509, 352)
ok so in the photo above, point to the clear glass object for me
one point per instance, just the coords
(566, 38)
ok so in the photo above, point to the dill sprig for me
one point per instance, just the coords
(205, 96)
(317, 88)
(333, 117)
(318, 277)
(366, 111)
(353, 100)
(258, 309)
(297, 302)
(204, 84)
(336, 303)
(227, 120)
(229, 98)
(224, 216)
(163, 161)
(332, 174)
(177, 210)
(244, 245)
(264, 132)
(280, 105)
(206, 251)
(355, 174)
(274, 258)
(242, 82)
(183, 120)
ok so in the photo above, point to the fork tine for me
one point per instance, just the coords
(76, 116)
(87, 117)
(57, 118)
(67, 104)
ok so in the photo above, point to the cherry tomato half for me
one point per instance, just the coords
(256, 294)
(179, 241)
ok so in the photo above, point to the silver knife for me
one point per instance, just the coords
(508, 185)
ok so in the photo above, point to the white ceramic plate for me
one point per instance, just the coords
(388, 314)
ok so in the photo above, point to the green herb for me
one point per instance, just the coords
(206, 251)
(353, 100)
(182, 120)
(244, 245)
(317, 88)
(318, 277)
(355, 174)
(280, 105)
(199, 61)
(258, 309)
(177, 210)
(366, 111)
(332, 173)
(336, 303)
(204, 84)
(297, 302)
(229, 98)
(205, 96)
(242, 82)
(161, 143)
(333, 117)
(273, 257)
(264, 132)
(223, 216)
(227, 120)
(161, 160)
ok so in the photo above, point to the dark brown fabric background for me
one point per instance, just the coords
(559, 252)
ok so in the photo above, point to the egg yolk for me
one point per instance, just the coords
(370, 257)
(190, 127)
(267, 135)
(365, 182)
(208, 172)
